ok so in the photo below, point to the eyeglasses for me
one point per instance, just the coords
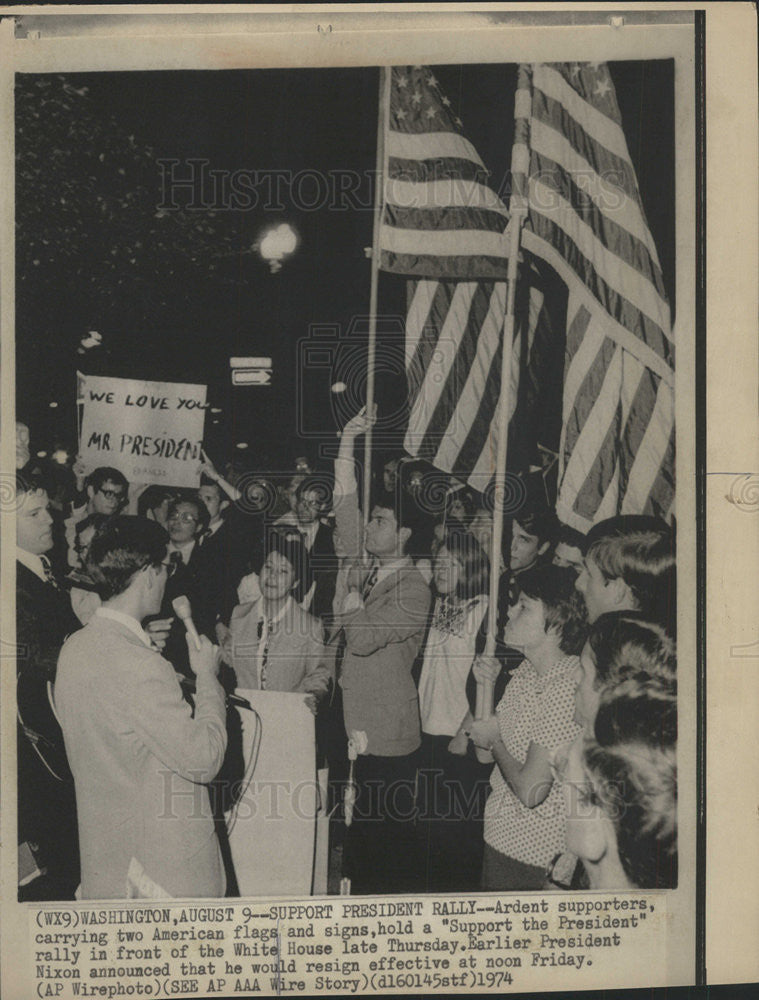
(112, 494)
(184, 518)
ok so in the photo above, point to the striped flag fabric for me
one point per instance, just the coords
(454, 338)
(446, 230)
(440, 217)
(586, 219)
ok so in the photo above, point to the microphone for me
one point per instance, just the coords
(181, 606)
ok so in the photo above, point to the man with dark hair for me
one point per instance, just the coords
(630, 566)
(139, 755)
(570, 545)
(47, 832)
(383, 622)
(103, 491)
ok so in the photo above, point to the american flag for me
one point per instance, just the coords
(586, 219)
(444, 225)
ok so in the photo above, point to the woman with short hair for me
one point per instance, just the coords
(272, 643)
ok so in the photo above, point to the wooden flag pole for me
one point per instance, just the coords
(518, 209)
(379, 203)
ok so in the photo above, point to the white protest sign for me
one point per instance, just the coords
(150, 431)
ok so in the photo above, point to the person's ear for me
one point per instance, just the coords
(619, 592)
(404, 534)
(90, 492)
(224, 504)
(598, 836)
(542, 549)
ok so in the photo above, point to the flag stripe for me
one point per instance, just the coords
(431, 146)
(433, 221)
(437, 168)
(447, 193)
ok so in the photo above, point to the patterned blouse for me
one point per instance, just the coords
(533, 709)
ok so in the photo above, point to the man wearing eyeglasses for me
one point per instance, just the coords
(105, 491)
(186, 524)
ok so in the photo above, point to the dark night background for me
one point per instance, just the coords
(175, 294)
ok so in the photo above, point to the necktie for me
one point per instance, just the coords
(370, 581)
(49, 572)
(176, 559)
(264, 655)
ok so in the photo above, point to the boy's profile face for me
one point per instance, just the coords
(382, 533)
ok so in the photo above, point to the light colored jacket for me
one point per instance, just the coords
(140, 762)
(382, 639)
(295, 656)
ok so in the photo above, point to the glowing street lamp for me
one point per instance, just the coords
(276, 244)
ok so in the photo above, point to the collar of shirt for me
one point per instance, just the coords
(213, 528)
(542, 681)
(33, 563)
(184, 550)
(127, 621)
(383, 572)
(279, 615)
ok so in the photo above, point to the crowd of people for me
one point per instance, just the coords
(383, 624)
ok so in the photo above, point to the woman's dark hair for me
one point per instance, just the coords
(289, 544)
(474, 561)
(124, 546)
(563, 605)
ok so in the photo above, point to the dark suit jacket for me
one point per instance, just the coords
(46, 805)
(194, 580)
(324, 568)
(231, 552)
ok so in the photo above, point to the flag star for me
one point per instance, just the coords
(400, 114)
(575, 70)
(431, 112)
(594, 65)
(602, 88)
(403, 81)
(459, 122)
(431, 81)
(416, 97)
(446, 102)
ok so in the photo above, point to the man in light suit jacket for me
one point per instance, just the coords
(383, 621)
(141, 759)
